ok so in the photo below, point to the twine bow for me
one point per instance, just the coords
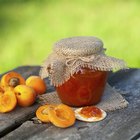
(70, 61)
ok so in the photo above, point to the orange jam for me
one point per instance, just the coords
(83, 88)
(91, 111)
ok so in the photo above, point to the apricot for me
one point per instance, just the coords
(8, 101)
(26, 95)
(42, 112)
(37, 84)
(12, 79)
(62, 116)
(6, 88)
(1, 93)
(1, 90)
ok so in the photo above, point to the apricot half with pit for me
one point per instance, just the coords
(12, 79)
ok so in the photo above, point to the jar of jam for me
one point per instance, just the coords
(84, 88)
(78, 68)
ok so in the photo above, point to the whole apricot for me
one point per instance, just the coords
(37, 84)
(26, 95)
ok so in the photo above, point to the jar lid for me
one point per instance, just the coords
(78, 46)
(70, 54)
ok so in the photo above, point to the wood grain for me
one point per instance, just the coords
(121, 124)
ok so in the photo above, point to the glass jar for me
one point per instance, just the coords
(78, 68)
(83, 88)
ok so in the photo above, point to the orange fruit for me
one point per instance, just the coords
(26, 95)
(42, 112)
(62, 116)
(37, 84)
(12, 79)
(1, 90)
(8, 101)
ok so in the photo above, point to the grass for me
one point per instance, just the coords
(28, 28)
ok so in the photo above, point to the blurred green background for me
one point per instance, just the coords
(29, 28)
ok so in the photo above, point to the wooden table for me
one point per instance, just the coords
(121, 124)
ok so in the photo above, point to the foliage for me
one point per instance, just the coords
(28, 28)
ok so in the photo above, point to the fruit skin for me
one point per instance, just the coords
(8, 101)
(37, 83)
(62, 116)
(12, 79)
(26, 95)
(42, 112)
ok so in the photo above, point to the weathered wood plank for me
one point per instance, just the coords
(111, 128)
(121, 124)
(9, 121)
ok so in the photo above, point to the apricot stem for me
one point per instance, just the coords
(14, 82)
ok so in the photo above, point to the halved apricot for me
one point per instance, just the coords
(8, 101)
(12, 79)
(37, 84)
(42, 112)
(62, 116)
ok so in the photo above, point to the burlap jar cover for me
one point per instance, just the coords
(70, 54)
